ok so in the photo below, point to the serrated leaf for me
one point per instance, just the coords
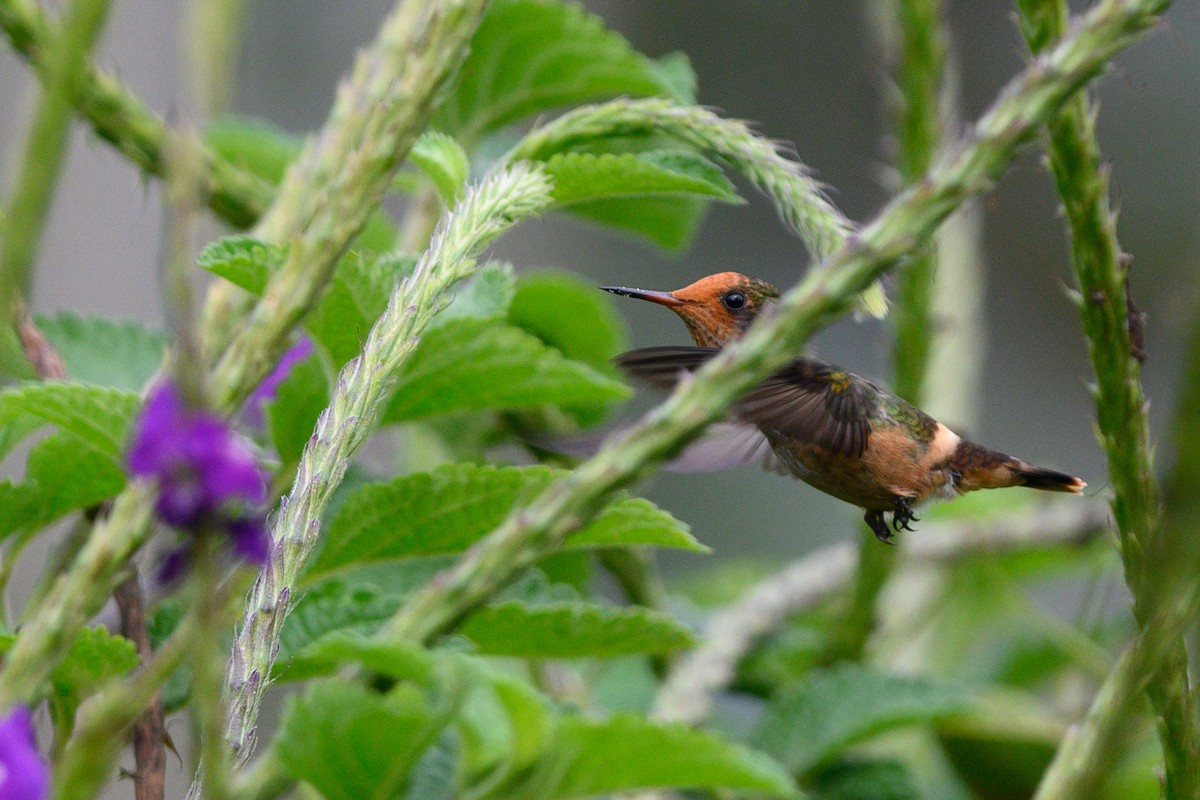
(623, 753)
(244, 261)
(806, 726)
(583, 177)
(486, 295)
(69, 475)
(569, 314)
(104, 352)
(254, 145)
(435, 777)
(669, 222)
(675, 71)
(100, 417)
(357, 295)
(449, 509)
(530, 56)
(334, 608)
(476, 365)
(443, 161)
(351, 743)
(400, 659)
(299, 400)
(96, 656)
(572, 630)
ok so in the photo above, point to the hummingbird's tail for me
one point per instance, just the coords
(981, 468)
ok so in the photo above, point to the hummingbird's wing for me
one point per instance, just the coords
(808, 400)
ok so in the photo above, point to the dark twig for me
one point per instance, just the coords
(149, 732)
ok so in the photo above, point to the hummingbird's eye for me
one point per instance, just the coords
(734, 300)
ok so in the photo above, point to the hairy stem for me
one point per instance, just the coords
(1112, 330)
(800, 200)
(46, 146)
(903, 226)
(488, 210)
(123, 121)
(919, 59)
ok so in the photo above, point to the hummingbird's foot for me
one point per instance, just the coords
(879, 527)
(903, 514)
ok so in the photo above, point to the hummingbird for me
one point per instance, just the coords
(838, 432)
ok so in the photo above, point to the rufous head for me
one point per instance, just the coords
(716, 309)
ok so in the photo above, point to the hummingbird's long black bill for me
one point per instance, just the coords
(662, 298)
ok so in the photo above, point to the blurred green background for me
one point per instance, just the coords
(811, 74)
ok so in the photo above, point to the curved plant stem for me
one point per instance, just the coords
(46, 147)
(420, 44)
(799, 199)
(1113, 331)
(487, 211)
(903, 226)
(919, 57)
(341, 176)
(125, 122)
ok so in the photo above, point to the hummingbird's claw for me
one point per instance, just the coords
(879, 527)
(903, 514)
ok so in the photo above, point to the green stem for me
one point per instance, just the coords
(75, 596)
(1121, 408)
(903, 226)
(341, 176)
(800, 200)
(46, 145)
(488, 210)
(919, 64)
(123, 121)
(207, 660)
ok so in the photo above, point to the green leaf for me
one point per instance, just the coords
(572, 630)
(626, 752)
(444, 161)
(669, 222)
(569, 314)
(435, 777)
(351, 743)
(399, 659)
(244, 261)
(358, 292)
(583, 177)
(806, 726)
(476, 365)
(299, 400)
(69, 475)
(103, 352)
(19, 506)
(95, 657)
(531, 56)
(357, 295)
(675, 72)
(335, 608)
(254, 145)
(486, 295)
(100, 417)
(449, 509)
(865, 780)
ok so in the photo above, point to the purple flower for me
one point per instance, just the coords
(253, 410)
(207, 476)
(23, 773)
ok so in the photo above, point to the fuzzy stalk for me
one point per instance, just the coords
(904, 225)
(95, 572)
(1113, 333)
(75, 596)
(121, 119)
(919, 56)
(799, 199)
(498, 202)
(46, 147)
(338, 179)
